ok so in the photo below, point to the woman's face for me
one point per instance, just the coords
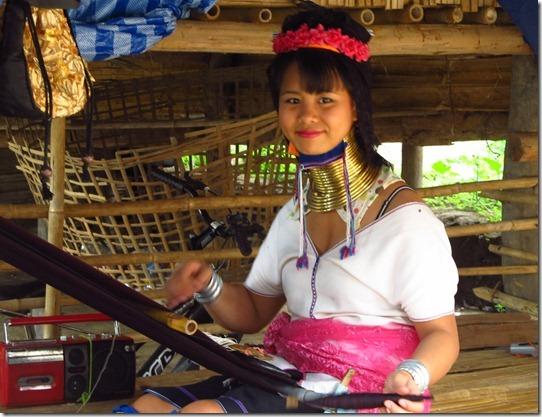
(314, 123)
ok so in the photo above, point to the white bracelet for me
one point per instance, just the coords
(212, 291)
(417, 371)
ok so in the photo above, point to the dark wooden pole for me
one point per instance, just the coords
(412, 164)
(523, 118)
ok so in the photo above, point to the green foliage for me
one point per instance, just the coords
(469, 168)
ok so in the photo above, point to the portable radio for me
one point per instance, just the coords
(48, 371)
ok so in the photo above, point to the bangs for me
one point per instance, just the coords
(319, 71)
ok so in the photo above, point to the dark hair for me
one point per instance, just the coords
(321, 69)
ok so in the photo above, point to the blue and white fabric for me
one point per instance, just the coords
(106, 29)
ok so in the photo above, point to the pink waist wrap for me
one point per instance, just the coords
(332, 347)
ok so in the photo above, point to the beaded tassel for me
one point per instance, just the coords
(303, 259)
(350, 248)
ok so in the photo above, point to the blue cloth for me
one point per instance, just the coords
(524, 14)
(124, 409)
(106, 29)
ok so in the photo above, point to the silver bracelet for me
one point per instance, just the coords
(211, 292)
(417, 371)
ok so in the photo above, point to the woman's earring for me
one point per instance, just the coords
(292, 149)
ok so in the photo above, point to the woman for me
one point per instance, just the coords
(379, 301)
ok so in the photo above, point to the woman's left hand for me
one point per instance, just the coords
(401, 382)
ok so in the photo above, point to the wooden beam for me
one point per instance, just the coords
(495, 329)
(516, 253)
(505, 226)
(497, 270)
(507, 300)
(254, 38)
(511, 197)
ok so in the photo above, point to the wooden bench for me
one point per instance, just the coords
(481, 381)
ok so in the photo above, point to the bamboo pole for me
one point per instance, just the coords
(526, 182)
(31, 211)
(55, 227)
(498, 270)
(485, 16)
(366, 17)
(174, 321)
(410, 14)
(447, 15)
(253, 38)
(250, 15)
(504, 226)
(516, 253)
(515, 303)
(258, 3)
(212, 14)
(511, 197)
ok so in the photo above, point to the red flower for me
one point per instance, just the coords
(304, 36)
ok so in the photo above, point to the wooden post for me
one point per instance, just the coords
(56, 213)
(412, 164)
(523, 117)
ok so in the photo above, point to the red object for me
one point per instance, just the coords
(72, 318)
(32, 372)
(319, 37)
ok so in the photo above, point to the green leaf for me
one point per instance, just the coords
(496, 166)
(441, 167)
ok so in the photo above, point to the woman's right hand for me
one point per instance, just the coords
(186, 279)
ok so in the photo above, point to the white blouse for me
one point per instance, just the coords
(402, 271)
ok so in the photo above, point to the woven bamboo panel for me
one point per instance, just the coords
(218, 95)
(224, 93)
(240, 158)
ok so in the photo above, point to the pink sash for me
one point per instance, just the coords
(332, 347)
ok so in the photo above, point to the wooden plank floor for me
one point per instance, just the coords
(481, 381)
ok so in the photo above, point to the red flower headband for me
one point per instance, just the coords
(318, 37)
